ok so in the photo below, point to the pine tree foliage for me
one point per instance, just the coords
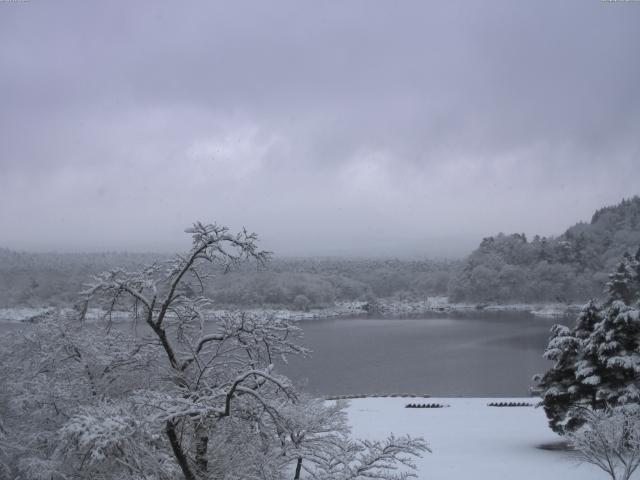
(623, 282)
(565, 387)
(597, 362)
(616, 341)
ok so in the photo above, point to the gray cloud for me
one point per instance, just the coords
(329, 127)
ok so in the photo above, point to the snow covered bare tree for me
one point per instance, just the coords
(610, 440)
(65, 404)
(185, 393)
(213, 368)
(389, 459)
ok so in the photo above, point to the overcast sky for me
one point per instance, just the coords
(329, 127)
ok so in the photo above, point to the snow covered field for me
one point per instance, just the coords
(471, 441)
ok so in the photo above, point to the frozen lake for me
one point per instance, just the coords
(475, 354)
(472, 354)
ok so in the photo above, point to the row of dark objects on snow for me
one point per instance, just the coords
(492, 404)
(420, 405)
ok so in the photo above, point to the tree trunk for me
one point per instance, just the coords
(178, 453)
(202, 445)
(298, 469)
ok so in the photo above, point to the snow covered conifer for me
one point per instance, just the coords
(557, 386)
(588, 368)
(623, 283)
(635, 266)
(616, 342)
(568, 386)
(597, 363)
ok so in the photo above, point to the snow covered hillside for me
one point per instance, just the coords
(472, 441)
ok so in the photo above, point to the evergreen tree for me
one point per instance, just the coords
(588, 369)
(616, 342)
(635, 268)
(616, 339)
(622, 284)
(566, 389)
(597, 363)
(556, 386)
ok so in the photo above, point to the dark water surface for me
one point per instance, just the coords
(478, 354)
(471, 354)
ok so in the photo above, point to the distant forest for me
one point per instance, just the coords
(28, 279)
(572, 267)
(569, 268)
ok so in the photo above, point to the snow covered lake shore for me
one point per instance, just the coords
(340, 309)
(472, 441)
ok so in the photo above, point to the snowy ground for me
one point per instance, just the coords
(340, 309)
(441, 304)
(471, 441)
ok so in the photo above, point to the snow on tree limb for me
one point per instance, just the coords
(194, 395)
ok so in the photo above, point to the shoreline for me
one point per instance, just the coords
(430, 305)
(338, 310)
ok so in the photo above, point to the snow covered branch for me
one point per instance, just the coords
(187, 394)
(610, 440)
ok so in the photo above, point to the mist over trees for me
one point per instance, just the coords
(54, 279)
(572, 267)
(29, 279)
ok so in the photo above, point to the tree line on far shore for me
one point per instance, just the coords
(572, 267)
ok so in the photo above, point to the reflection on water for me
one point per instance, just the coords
(480, 354)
